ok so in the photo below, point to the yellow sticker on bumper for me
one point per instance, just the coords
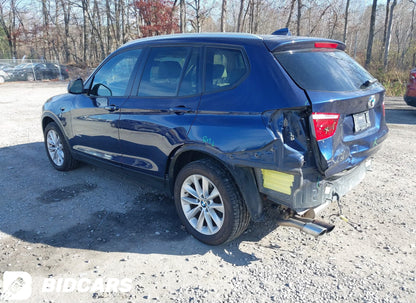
(278, 181)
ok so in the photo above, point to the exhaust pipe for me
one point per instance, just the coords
(313, 227)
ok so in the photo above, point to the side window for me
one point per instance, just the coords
(163, 71)
(190, 84)
(113, 77)
(224, 68)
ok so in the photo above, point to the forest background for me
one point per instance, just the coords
(380, 34)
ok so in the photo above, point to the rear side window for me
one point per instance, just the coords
(163, 71)
(324, 70)
(224, 68)
(190, 84)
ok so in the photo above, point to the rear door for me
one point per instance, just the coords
(157, 117)
(347, 119)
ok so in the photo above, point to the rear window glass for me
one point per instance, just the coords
(224, 68)
(324, 70)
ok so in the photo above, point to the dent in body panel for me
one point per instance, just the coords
(348, 148)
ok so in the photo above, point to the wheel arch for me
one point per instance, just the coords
(49, 117)
(242, 176)
(46, 120)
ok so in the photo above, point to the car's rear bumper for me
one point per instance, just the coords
(308, 190)
(411, 101)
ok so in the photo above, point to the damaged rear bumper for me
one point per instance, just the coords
(306, 190)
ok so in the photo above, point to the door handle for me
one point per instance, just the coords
(111, 108)
(180, 110)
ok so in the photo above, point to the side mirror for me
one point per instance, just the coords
(76, 86)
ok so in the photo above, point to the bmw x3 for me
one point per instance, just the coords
(225, 122)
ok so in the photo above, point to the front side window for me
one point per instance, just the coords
(113, 77)
(163, 71)
(224, 68)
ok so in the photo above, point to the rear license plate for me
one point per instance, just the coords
(361, 121)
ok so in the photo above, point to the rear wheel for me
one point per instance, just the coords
(30, 77)
(2, 79)
(209, 204)
(57, 149)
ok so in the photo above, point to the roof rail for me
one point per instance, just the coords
(282, 32)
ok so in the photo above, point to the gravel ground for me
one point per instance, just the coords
(101, 225)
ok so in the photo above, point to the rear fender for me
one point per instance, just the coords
(243, 176)
(290, 148)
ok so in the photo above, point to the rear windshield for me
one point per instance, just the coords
(324, 70)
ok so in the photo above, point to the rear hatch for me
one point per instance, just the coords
(347, 120)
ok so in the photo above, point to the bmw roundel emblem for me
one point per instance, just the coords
(371, 101)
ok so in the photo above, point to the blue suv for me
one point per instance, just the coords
(224, 122)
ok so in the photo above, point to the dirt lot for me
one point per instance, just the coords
(94, 227)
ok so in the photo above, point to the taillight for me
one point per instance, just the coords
(326, 45)
(384, 110)
(412, 75)
(325, 125)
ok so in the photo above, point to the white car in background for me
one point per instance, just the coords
(3, 76)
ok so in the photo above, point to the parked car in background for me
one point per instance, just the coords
(3, 76)
(4, 66)
(37, 71)
(225, 121)
(410, 95)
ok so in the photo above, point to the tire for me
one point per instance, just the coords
(30, 77)
(2, 80)
(57, 148)
(209, 203)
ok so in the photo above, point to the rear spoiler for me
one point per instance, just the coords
(297, 43)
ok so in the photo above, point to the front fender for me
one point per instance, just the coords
(58, 109)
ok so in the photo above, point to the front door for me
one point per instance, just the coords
(96, 113)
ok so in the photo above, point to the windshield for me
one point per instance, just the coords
(324, 70)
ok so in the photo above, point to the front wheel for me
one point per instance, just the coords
(209, 204)
(57, 148)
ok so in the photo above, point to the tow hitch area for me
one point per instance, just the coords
(310, 226)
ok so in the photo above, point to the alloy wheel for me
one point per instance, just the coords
(55, 147)
(202, 204)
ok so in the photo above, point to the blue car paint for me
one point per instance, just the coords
(263, 122)
(347, 149)
(94, 128)
(150, 130)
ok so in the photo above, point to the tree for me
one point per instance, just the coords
(386, 22)
(157, 17)
(292, 6)
(201, 14)
(240, 16)
(299, 17)
(223, 15)
(8, 21)
(371, 34)
(182, 14)
(388, 35)
(346, 21)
